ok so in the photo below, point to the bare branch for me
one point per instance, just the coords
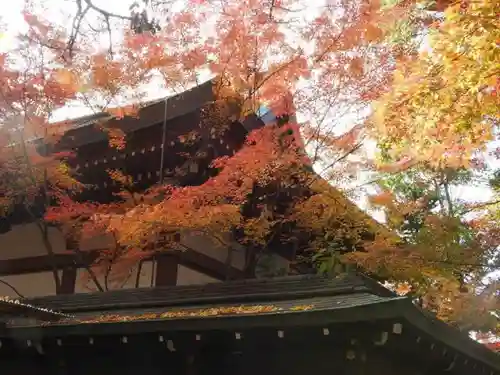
(108, 27)
(75, 28)
(105, 13)
(481, 206)
(11, 287)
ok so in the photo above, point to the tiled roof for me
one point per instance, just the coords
(238, 298)
(228, 309)
(230, 292)
(231, 305)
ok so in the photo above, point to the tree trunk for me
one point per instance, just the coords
(44, 231)
(250, 263)
(72, 245)
(229, 263)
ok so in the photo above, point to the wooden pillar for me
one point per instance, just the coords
(166, 270)
(68, 280)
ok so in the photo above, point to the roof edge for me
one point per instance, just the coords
(450, 336)
(320, 317)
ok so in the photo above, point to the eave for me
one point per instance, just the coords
(14, 309)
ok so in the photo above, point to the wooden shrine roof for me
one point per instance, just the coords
(281, 303)
(283, 288)
(80, 131)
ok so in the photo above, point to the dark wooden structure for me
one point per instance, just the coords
(172, 134)
(292, 325)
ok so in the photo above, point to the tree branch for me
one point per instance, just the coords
(75, 27)
(12, 288)
(105, 13)
(447, 193)
(108, 27)
(466, 264)
(344, 156)
(481, 206)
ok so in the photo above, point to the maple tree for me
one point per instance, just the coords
(27, 172)
(36, 81)
(248, 38)
(446, 253)
(434, 128)
(443, 104)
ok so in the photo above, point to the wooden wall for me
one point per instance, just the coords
(212, 359)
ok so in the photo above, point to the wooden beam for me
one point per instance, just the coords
(68, 280)
(208, 265)
(43, 263)
(166, 269)
(197, 261)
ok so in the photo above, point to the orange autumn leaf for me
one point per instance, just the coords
(66, 78)
(403, 289)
